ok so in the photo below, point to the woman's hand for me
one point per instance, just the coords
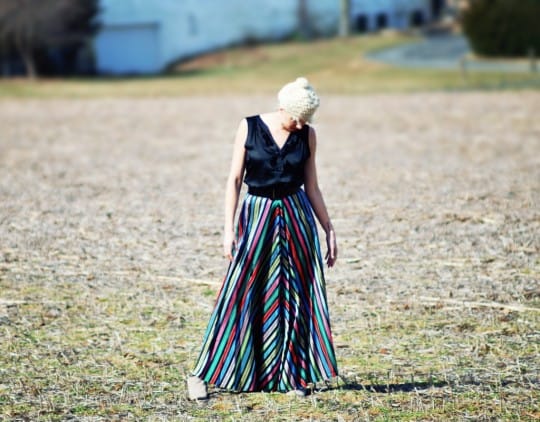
(229, 245)
(331, 245)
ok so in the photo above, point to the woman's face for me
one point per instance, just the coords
(290, 123)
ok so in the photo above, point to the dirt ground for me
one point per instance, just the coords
(435, 197)
(431, 194)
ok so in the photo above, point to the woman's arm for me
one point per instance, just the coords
(314, 194)
(232, 189)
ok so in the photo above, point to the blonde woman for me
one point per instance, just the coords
(270, 328)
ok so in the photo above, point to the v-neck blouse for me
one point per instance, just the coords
(269, 165)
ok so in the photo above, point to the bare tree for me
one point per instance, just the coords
(345, 18)
(27, 26)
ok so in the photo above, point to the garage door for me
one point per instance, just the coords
(128, 49)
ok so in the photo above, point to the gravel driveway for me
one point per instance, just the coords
(445, 51)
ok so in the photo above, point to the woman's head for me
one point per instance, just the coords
(299, 100)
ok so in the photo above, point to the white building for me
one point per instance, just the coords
(143, 36)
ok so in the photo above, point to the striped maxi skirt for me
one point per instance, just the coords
(270, 328)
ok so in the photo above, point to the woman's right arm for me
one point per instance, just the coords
(232, 190)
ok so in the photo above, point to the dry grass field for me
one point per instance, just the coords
(110, 256)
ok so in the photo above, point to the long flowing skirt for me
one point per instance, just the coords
(270, 329)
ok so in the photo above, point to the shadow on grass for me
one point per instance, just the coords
(405, 387)
(133, 77)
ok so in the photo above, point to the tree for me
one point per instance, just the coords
(30, 26)
(503, 27)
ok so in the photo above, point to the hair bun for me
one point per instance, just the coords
(299, 99)
(302, 82)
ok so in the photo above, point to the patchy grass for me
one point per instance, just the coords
(335, 66)
(71, 350)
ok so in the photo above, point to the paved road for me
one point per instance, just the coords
(443, 52)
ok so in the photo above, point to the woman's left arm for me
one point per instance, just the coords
(315, 196)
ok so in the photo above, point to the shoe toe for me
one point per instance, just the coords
(196, 389)
(298, 392)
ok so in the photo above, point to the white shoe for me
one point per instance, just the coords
(196, 388)
(298, 392)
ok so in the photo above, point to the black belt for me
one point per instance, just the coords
(273, 192)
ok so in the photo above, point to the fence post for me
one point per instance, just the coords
(345, 18)
(532, 60)
(463, 68)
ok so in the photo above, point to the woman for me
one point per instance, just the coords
(270, 329)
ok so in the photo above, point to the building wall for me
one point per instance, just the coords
(163, 31)
(389, 13)
(142, 36)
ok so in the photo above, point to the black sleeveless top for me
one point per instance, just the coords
(267, 164)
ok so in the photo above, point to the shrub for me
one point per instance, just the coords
(503, 27)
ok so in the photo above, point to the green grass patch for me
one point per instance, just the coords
(335, 66)
(71, 351)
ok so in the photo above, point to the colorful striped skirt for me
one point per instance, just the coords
(270, 329)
